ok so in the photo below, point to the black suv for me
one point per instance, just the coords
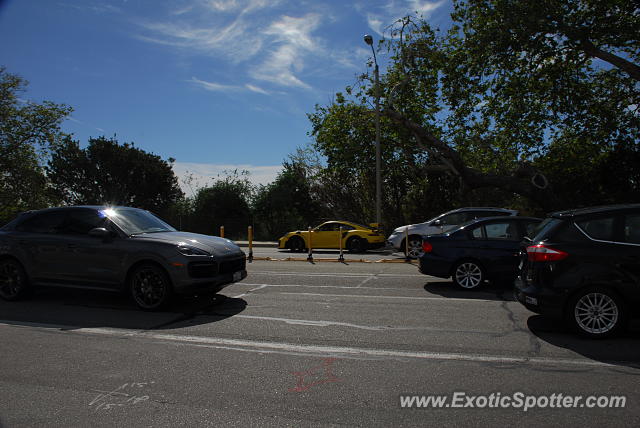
(584, 266)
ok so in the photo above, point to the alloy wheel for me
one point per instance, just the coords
(596, 313)
(12, 280)
(415, 248)
(149, 288)
(468, 275)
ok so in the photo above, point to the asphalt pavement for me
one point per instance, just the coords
(304, 344)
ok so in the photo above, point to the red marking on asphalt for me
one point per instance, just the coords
(317, 375)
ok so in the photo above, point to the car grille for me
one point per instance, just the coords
(210, 269)
(203, 269)
(230, 266)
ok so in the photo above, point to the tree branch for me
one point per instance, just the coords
(521, 181)
(590, 49)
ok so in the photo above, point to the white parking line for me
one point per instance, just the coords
(340, 275)
(448, 299)
(322, 286)
(347, 352)
(259, 287)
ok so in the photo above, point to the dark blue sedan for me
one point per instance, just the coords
(479, 250)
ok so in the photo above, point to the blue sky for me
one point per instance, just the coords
(215, 84)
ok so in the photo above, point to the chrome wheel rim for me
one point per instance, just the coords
(596, 313)
(468, 275)
(11, 280)
(415, 248)
(149, 288)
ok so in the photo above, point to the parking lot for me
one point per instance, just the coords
(301, 344)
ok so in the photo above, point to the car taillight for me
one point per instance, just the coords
(426, 247)
(541, 253)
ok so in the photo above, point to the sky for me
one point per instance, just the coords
(215, 84)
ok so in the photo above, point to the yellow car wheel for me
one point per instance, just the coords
(356, 245)
(295, 244)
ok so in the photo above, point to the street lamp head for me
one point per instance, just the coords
(368, 39)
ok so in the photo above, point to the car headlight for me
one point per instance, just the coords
(188, 250)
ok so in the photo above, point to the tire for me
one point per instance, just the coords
(296, 244)
(415, 247)
(468, 274)
(356, 245)
(596, 313)
(150, 287)
(14, 284)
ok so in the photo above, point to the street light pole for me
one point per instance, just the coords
(369, 40)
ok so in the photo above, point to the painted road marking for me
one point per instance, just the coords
(347, 352)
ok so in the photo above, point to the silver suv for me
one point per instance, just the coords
(440, 224)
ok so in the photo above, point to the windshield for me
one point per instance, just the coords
(135, 221)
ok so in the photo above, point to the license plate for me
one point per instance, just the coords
(237, 276)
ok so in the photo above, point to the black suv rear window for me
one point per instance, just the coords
(599, 228)
(632, 229)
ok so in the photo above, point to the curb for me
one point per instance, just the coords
(257, 244)
(324, 260)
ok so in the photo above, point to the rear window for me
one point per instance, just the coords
(599, 228)
(632, 229)
(545, 228)
(48, 222)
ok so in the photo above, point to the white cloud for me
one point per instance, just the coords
(219, 87)
(384, 16)
(425, 7)
(293, 39)
(245, 6)
(212, 86)
(235, 40)
(257, 89)
(204, 173)
(275, 47)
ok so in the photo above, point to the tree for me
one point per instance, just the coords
(106, 172)
(224, 203)
(28, 131)
(510, 84)
(286, 204)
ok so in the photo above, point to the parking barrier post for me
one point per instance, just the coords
(310, 256)
(222, 231)
(250, 237)
(341, 258)
(407, 257)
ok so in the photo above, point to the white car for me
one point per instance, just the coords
(440, 224)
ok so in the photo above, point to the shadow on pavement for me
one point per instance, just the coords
(623, 350)
(72, 308)
(488, 291)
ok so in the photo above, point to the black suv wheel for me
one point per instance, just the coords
(596, 312)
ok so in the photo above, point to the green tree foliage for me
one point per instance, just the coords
(509, 107)
(106, 172)
(286, 204)
(28, 131)
(224, 203)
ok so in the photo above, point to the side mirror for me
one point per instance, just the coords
(100, 232)
(437, 223)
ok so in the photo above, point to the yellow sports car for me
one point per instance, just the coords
(355, 237)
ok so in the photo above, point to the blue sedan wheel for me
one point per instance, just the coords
(468, 274)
